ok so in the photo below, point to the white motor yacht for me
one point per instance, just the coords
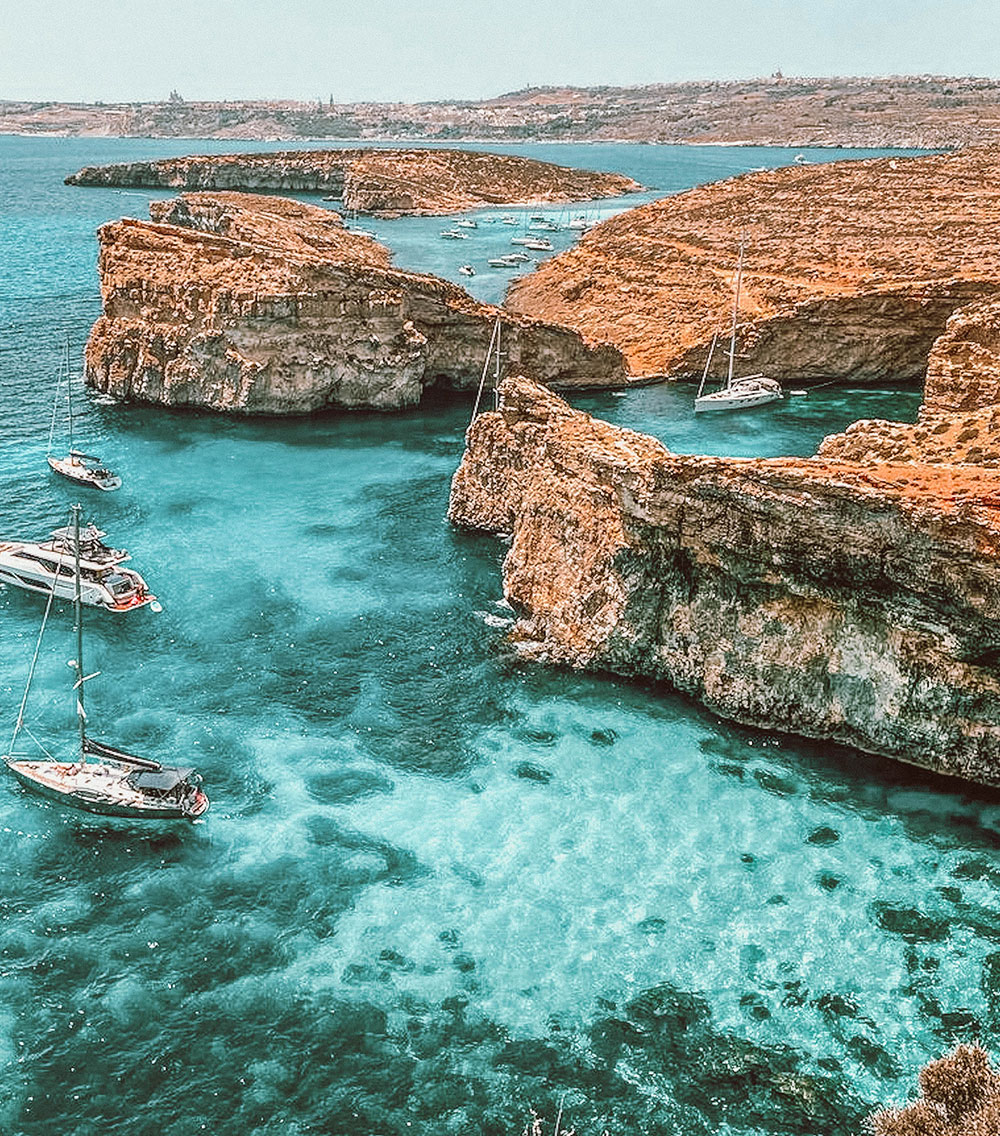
(48, 566)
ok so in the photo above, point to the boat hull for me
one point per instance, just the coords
(734, 402)
(54, 781)
(20, 568)
(80, 475)
(741, 394)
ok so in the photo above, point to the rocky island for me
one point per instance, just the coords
(851, 269)
(835, 598)
(390, 182)
(261, 305)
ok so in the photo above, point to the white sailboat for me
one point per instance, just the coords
(738, 393)
(99, 778)
(84, 469)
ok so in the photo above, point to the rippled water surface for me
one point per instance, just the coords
(436, 887)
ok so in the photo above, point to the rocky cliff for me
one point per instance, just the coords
(851, 269)
(260, 305)
(858, 603)
(959, 419)
(373, 181)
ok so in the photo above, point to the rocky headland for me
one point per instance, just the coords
(855, 601)
(260, 305)
(851, 269)
(373, 181)
(922, 111)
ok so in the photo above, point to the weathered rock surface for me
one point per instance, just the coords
(825, 598)
(959, 420)
(851, 269)
(260, 305)
(392, 181)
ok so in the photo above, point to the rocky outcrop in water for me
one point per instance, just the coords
(373, 181)
(959, 420)
(960, 1096)
(260, 305)
(851, 269)
(823, 598)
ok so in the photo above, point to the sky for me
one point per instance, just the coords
(403, 50)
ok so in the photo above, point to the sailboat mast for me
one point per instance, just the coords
(78, 604)
(69, 399)
(736, 308)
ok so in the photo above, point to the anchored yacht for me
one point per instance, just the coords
(48, 566)
(116, 783)
(739, 393)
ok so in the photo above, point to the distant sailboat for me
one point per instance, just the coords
(738, 393)
(116, 783)
(84, 469)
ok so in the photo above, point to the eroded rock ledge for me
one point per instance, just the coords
(260, 305)
(851, 269)
(825, 598)
(373, 181)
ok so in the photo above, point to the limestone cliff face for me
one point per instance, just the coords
(818, 597)
(384, 181)
(851, 269)
(259, 305)
(959, 420)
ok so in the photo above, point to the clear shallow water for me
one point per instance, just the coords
(435, 886)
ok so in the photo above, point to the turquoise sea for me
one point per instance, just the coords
(437, 888)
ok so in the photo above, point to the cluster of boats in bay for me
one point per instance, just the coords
(533, 225)
(75, 564)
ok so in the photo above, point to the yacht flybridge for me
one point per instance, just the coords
(98, 778)
(48, 566)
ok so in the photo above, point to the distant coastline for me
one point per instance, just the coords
(914, 112)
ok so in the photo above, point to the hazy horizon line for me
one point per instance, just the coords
(775, 77)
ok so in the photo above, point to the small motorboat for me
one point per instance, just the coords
(47, 566)
(544, 225)
(578, 224)
(538, 244)
(466, 270)
(510, 260)
(509, 220)
(454, 235)
(117, 783)
(466, 223)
